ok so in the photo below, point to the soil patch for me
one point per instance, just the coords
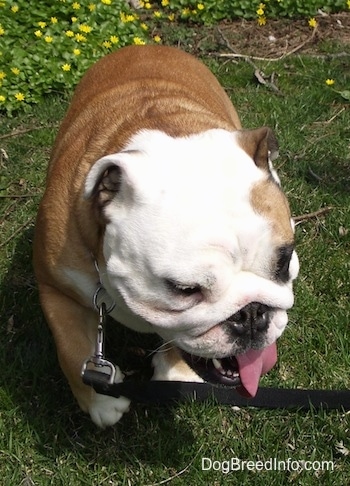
(272, 40)
(280, 36)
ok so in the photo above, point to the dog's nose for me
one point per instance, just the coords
(253, 318)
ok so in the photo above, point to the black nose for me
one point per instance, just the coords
(252, 319)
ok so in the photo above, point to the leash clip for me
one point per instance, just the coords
(101, 297)
(98, 359)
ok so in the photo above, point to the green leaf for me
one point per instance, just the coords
(345, 94)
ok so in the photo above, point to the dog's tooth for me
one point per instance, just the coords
(217, 364)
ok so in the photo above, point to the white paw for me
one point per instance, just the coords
(105, 411)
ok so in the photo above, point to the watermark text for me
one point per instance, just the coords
(271, 464)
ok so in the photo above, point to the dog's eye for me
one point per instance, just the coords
(284, 257)
(183, 289)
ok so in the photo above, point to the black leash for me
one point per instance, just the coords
(167, 392)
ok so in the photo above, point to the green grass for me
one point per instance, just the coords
(46, 440)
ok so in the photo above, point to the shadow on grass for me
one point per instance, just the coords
(36, 392)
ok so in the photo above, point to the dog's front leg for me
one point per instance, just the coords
(74, 328)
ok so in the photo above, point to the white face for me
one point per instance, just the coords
(186, 250)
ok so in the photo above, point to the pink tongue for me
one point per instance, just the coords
(253, 364)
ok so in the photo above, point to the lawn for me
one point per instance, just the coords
(46, 440)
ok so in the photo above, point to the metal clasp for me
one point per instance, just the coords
(100, 297)
(98, 360)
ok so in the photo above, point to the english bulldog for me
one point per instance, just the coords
(155, 192)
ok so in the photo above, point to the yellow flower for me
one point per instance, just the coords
(85, 28)
(157, 38)
(127, 18)
(92, 7)
(54, 20)
(2, 32)
(171, 17)
(42, 25)
(144, 26)
(165, 3)
(74, 19)
(107, 44)
(76, 52)
(106, 2)
(330, 82)
(348, 3)
(262, 20)
(200, 6)
(186, 11)
(66, 67)
(157, 14)
(69, 33)
(313, 23)
(148, 5)
(19, 96)
(15, 71)
(138, 41)
(2, 98)
(2, 75)
(114, 39)
(48, 39)
(38, 33)
(15, 8)
(76, 6)
(80, 38)
(260, 11)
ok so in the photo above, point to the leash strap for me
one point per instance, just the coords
(167, 392)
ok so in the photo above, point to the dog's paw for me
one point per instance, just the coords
(169, 366)
(105, 411)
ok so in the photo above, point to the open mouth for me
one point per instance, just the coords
(242, 371)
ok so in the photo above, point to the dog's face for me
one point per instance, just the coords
(199, 243)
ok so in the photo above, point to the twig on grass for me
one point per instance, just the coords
(267, 81)
(18, 196)
(165, 481)
(315, 214)
(22, 131)
(233, 54)
(18, 230)
(327, 122)
(176, 475)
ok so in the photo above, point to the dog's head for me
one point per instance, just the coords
(199, 243)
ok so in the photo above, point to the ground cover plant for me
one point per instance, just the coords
(47, 48)
(44, 438)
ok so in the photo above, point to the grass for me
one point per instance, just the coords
(46, 440)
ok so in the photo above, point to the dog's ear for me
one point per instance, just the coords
(108, 177)
(261, 144)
